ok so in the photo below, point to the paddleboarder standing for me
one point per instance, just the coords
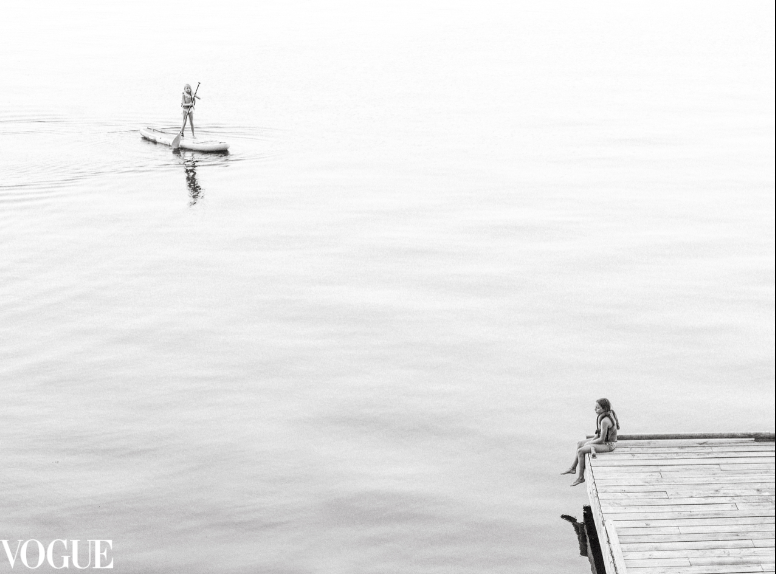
(187, 103)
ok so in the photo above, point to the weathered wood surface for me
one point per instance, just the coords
(728, 437)
(686, 505)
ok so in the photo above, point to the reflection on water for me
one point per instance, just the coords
(587, 538)
(579, 528)
(195, 190)
(190, 167)
(190, 161)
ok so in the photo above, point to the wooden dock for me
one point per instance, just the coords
(685, 504)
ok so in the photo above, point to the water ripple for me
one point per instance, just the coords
(46, 154)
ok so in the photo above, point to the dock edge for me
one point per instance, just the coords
(607, 534)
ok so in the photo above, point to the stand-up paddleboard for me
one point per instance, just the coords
(192, 144)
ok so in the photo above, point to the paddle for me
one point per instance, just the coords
(176, 142)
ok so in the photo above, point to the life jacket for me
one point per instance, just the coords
(611, 432)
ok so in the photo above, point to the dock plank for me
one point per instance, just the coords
(682, 531)
(680, 491)
(697, 524)
(738, 569)
(682, 466)
(685, 545)
(763, 471)
(617, 455)
(677, 501)
(761, 559)
(650, 536)
(762, 481)
(697, 482)
(670, 509)
(751, 528)
(752, 447)
(684, 442)
(763, 513)
(688, 470)
(705, 553)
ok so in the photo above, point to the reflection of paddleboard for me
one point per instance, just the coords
(186, 143)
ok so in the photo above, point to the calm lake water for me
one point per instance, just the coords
(366, 339)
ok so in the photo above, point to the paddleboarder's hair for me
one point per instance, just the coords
(607, 406)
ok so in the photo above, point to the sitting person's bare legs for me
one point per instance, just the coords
(592, 449)
(573, 468)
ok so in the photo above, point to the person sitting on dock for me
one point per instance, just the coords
(605, 439)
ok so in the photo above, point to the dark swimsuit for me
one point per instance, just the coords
(187, 99)
(611, 432)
